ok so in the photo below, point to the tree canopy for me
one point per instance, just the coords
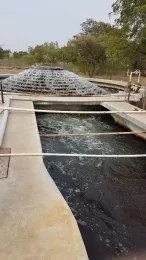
(131, 16)
(4, 53)
(89, 52)
(92, 27)
(99, 46)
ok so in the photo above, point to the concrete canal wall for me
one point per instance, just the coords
(134, 122)
(35, 221)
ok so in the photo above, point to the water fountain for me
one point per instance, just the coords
(51, 81)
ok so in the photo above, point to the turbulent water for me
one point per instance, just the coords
(106, 196)
(51, 81)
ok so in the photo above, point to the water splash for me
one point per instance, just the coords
(51, 81)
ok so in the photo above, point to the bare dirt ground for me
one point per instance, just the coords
(10, 70)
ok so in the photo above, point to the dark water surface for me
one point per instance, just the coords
(106, 196)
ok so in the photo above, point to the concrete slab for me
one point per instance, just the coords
(109, 82)
(38, 99)
(35, 221)
(134, 122)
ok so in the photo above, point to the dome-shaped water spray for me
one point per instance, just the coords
(51, 81)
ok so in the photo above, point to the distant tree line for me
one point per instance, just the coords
(99, 47)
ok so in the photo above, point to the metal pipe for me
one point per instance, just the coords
(4, 122)
(139, 77)
(72, 112)
(2, 94)
(116, 98)
(93, 134)
(131, 74)
(75, 155)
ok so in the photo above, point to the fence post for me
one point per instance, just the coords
(1, 89)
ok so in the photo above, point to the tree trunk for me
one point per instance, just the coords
(91, 72)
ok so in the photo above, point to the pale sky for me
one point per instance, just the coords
(26, 23)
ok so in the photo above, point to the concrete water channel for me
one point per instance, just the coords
(106, 196)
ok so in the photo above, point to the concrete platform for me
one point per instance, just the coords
(92, 100)
(35, 221)
(118, 83)
(113, 84)
(134, 122)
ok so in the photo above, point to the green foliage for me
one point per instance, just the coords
(29, 59)
(132, 18)
(116, 47)
(90, 53)
(67, 54)
(45, 54)
(4, 54)
(132, 15)
(18, 55)
(94, 28)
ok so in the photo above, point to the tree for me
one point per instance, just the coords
(4, 54)
(29, 59)
(94, 28)
(132, 15)
(45, 54)
(1, 53)
(122, 51)
(20, 54)
(67, 54)
(132, 18)
(51, 53)
(90, 53)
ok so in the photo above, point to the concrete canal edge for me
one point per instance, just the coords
(35, 221)
(115, 84)
(133, 122)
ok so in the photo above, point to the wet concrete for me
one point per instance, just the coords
(106, 196)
